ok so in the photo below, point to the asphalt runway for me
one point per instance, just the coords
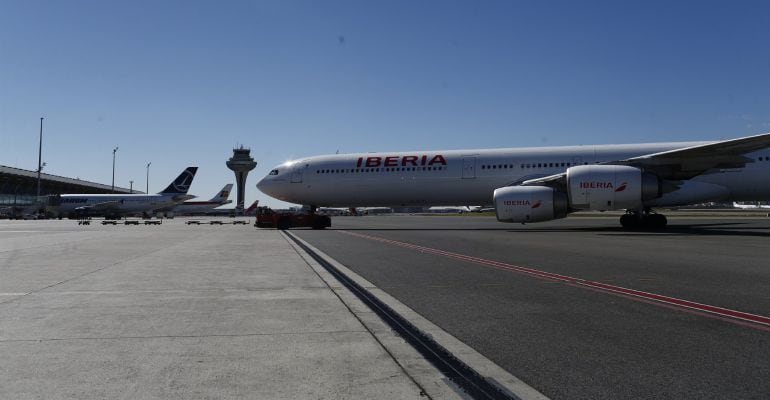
(674, 314)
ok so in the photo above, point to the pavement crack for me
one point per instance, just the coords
(87, 273)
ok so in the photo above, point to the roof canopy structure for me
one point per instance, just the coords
(20, 185)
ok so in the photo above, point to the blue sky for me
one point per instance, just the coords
(180, 83)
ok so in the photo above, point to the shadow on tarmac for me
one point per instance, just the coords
(709, 229)
(701, 230)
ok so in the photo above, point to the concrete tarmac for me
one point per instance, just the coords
(567, 340)
(186, 312)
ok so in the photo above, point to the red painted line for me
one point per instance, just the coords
(602, 287)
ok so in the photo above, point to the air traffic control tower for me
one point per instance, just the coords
(241, 163)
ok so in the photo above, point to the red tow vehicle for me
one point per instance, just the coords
(268, 218)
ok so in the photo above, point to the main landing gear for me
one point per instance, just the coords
(635, 219)
(318, 221)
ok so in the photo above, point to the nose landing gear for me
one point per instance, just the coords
(635, 219)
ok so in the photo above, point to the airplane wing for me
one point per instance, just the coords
(107, 205)
(180, 198)
(682, 164)
(689, 162)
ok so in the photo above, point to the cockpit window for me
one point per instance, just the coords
(274, 172)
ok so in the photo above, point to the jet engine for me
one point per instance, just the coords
(529, 204)
(610, 187)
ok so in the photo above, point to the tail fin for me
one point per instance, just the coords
(182, 183)
(252, 208)
(223, 194)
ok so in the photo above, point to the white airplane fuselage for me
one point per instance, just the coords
(469, 177)
(198, 207)
(124, 203)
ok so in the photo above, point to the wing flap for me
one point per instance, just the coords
(732, 147)
(692, 161)
(681, 164)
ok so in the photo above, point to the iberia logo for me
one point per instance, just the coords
(622, 187)
(537, 204)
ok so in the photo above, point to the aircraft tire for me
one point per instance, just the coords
(629, 221)
(284, 223)
(322, 222)
(656, 221)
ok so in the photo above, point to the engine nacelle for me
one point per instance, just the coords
(529, 204)
(610, 187)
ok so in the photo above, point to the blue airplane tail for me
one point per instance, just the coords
(182, 183)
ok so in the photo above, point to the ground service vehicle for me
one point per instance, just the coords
(268, 218)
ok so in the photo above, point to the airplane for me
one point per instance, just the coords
(750, 206)
(252, 210)
(536, 184)
(347, 211)
(201, 207)
(452, 209)
(118, 205)
(234, 212)
(335, 211)
(459, 209)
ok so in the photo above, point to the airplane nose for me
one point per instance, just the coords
(261, 185)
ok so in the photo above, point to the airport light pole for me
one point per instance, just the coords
(147, 190)
(39, 158)
(131, 188)
(115, 150)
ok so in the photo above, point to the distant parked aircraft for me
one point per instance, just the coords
(750, 206)
(120, 205)
(192, 207)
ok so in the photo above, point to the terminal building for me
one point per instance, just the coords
(18, 187)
